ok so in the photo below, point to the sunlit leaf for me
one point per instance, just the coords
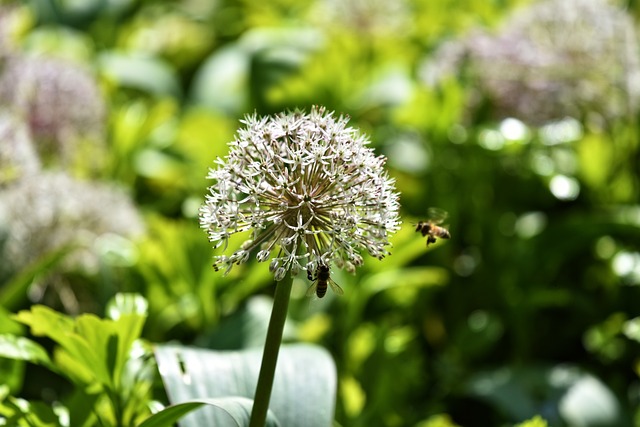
(21, 412)
(222, 83)
(580, 398)
(421, 277)
(302, 370)
(229, 411)
(147, 74)
(631, 329)
(246, 328)
(90, 347)
(20, 348)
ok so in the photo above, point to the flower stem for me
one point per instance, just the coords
(271, 349)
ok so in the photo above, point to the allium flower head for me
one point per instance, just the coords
(305, 189)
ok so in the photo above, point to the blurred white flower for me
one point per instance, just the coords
(302, 187)
(372, 17)
(18, 155)
(553, 59)
(44, 212)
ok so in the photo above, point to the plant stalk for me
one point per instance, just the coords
(271, 349)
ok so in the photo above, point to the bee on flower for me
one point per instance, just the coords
(305, 190)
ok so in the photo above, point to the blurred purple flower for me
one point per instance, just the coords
(60, 101)
(553, 59)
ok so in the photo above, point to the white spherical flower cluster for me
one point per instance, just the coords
(307, 192)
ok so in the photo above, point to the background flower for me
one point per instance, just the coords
(18, 156)
(304, 185)
(45, 212)
(59, 100)
(553, 59)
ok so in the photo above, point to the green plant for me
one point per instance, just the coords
(110, 369)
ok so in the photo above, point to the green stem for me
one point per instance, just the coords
(271, 349)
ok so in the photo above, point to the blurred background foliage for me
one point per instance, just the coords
(520, 118)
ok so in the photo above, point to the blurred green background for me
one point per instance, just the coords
(519, 118)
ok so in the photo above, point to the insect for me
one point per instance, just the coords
(320, 279)
(431, 226)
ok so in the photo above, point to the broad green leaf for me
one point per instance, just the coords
(129, 312)
(226, 410)
(222, 81)
(416, 276)
(20, 412)
(81, 406)
(631, 329)
(20, 348)
(91, 349)
(245, 328)
(240, 73)
(589, 402)
(11, 369)
(303, 371)
(45, 322)
(93, 345)
(524, 392)
(147, 74)
(77, 372)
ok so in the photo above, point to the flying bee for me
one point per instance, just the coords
(431, 226)
(320, 279)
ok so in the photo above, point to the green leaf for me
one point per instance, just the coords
(91, 349)
(11, 369)
(303, 370)
(631, 329)
(241, 73)
(236, 409)
(129, 312)
(148, 74)
(13, 293)
(20, 412)
(45, 322)
(536, 421)
(14, 351)
(8, 325)
(20, 348)
(526, 391)
(422, 277)
(245, 328)
(222, 81)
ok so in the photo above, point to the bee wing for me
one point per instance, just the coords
(312, 289)
(335, 287)
(437, 215)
